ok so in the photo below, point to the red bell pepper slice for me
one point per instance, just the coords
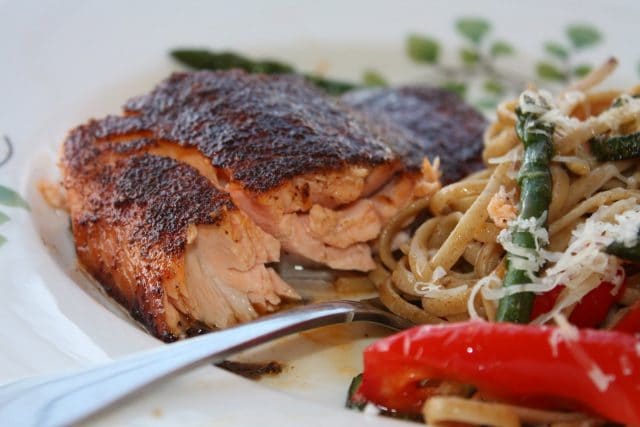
(630, 322)
(543, 303)
(590, 312)
(522, 364)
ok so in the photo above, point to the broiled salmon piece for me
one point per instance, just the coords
(437, 123)
(292, 158)
(165, 242)
(179, 204)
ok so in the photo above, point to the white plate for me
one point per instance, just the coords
(62, 63)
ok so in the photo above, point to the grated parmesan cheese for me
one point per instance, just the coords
(569, 334)
(542, 103)
(480, 284)
(370, 410)
(613, 118)
(526, 259)
(583, 266)
(564, 332)
(625, 365)
(599, 378)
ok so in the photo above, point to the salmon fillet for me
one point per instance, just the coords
(169, 246)
(179, 204)
(283, 150)
(436, 122)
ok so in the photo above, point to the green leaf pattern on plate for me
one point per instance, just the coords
(557, 50)
(582, 70)
(469, 56)
(456, 87)
(480, 59)
(9, 197)
(548, 71)
(474, 29)
(501, 48)
(372, 78)
(583, 35)
(423, 49)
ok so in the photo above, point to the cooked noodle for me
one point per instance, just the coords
(454, 262)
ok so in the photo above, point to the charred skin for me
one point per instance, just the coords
(130, 221)
(276, 143)
(223, 151)
(263, 130)
(437, 123)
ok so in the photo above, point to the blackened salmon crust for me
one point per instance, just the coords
(262, 130)
(437, 121)
(164, 195)
(130, 224)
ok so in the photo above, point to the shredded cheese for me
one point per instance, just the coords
(370, 410)
(582, 267)
(625, 365)
(526, 259)
(613, 118)
(570, 335)
(541, 103)
(480, 284)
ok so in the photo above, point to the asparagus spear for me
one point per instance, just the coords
(630, 253)
(202, 59)
(534, 180)
(353, 400)
(616, 147)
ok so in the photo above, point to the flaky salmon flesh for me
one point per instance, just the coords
(180, 203)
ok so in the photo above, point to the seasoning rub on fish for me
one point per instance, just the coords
(178, 204)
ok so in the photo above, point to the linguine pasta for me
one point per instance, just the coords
(452, 268)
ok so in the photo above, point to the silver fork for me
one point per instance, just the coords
(61, 400)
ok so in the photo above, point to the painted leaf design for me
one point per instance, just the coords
(583, 35)
(373, 78)
(3, 218)
(9, 197)
(556, 49)
(501, 48)
(582, 70)
(459, 88)
(488, 104)
(548, 71)
(3, 240)
(493, 86)
(423, 49)
(474, 29)
(469, 56)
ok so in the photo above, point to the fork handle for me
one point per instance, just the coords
(61, 400)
